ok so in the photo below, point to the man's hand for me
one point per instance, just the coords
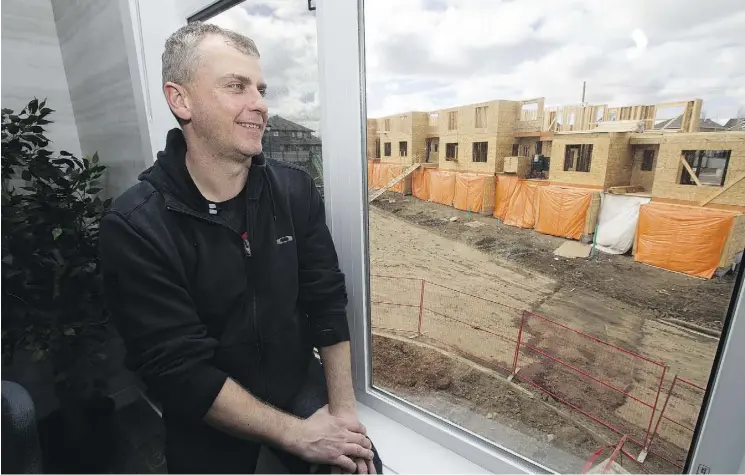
(327, 439)
(349, 416)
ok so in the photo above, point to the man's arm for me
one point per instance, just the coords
(168, 347)
(323, 297)
(338, 370)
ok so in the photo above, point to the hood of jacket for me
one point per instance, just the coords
(170, 176)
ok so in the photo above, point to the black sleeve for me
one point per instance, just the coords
(167, 344)
(322, 293)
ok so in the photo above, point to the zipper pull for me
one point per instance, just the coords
(246, 245)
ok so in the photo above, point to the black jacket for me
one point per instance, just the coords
(195, 305)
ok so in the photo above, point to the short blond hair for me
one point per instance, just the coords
(180, 57)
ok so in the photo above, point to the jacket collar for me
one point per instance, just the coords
(170, 176)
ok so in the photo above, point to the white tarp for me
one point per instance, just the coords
(617, 221)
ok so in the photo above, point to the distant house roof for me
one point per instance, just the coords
(735, 124)
(280, 123)
(677, 122)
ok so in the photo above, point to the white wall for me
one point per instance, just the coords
(32, 66)
(151, 23)
(105, 98)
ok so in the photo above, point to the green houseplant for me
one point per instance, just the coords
(52, 302)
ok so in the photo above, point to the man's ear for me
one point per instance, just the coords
(178, 100)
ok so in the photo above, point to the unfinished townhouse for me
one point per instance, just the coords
(571, 171)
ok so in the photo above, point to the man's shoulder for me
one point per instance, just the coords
(289, 170)
(135, 200)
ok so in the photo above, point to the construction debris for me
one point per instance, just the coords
(573, 249)
(474, 224)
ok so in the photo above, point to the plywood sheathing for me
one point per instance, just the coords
(735, 242)
(667, 172)
(498, 133)
(639, 177)
(611, 162)
(410, 127)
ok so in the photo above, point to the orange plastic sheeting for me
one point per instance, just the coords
(521, 210)
(392, 172)
(442, 187)
(562, 211)
(373, 175)
(469, 192)
(683, 239)
(380, 174)
(506, 185)
(420, 183)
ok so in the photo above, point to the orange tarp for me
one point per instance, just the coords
(380, 174)
(562, 211)
(521, 210)
(420, 183)
(392, 171)
(682, 238)
(506, 185)
(442, 187)
(469, 192)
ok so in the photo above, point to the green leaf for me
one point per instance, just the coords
(37, 355)
(94, 158)
(68, 331)
(26, 175)
(56, 232)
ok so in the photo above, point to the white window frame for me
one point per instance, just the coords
(719, 440)
(340, 26)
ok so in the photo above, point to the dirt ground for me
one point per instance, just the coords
(608, 297)
(655, 291)
(488, 405)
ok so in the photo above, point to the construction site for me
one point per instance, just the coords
(555, 279)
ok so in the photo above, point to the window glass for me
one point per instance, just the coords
(285, 34)
(560, 288)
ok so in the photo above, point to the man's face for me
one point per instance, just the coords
(227, 99)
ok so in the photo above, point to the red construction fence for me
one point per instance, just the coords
(616, 388)
(610, 385)
(673, 432)
(477, 327)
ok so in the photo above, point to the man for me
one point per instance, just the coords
(222, 277)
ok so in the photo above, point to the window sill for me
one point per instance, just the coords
(405, 451)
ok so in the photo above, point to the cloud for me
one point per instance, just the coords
(628, 51)
(429, 54)
(285, 33)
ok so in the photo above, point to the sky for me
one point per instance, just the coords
(430, 54)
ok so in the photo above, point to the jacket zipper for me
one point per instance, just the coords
(245, 241)
(250, 223)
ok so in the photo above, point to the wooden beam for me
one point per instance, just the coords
(690, 170)
(670, 121)
(721, 190)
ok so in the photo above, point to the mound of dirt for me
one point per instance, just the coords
(445, 385)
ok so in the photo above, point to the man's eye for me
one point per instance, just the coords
(262, 92)
(237, 86)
